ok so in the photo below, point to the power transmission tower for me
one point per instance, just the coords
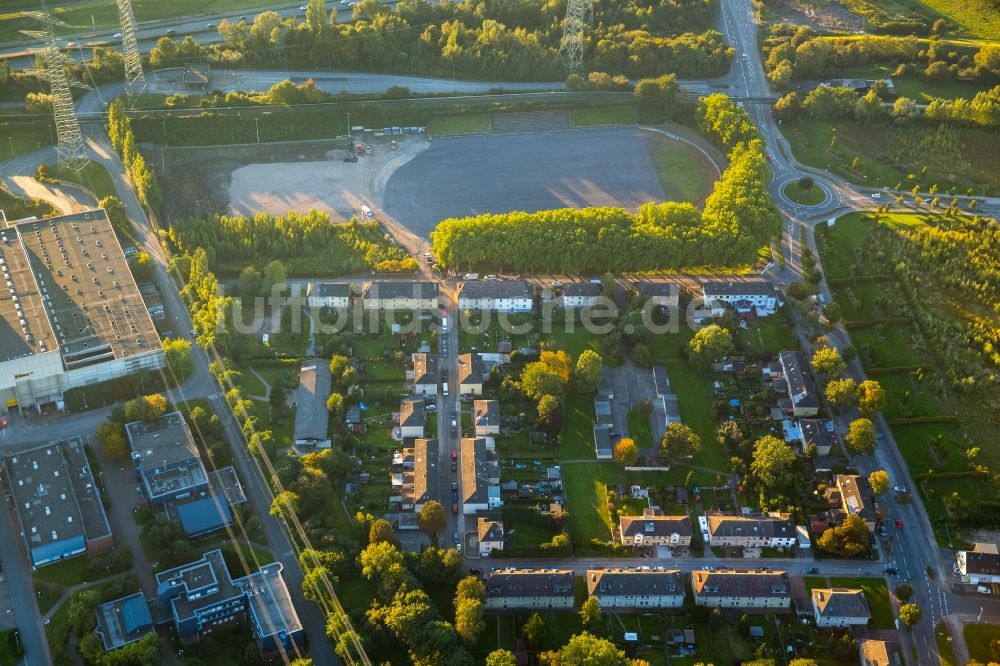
(579, 17)
(134, 76)
(70, 138)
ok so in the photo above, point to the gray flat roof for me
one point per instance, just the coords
(94, 306)
(55, 494)
(24, 326)
(496, 289)
(123, 621)
(312, 418)
(271, 606)
(166, 454)
(400, 289)
(716, 288)
(198, 580)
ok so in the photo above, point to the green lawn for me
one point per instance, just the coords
(915, 87)
(684, 174)
(943, 640)
(67, 573)
(639, 429)
(695, 398)
(622, 114)
(467, 123)
(85, 15)
(811, 197)
(979, 17)
(576, 441)
(24, 136)
(10, 647)
(46, 594)
(982, 642)
(877, 596)
(94, 177)
(587, 501)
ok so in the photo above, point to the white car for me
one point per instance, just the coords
(899, 489)
(877, 195)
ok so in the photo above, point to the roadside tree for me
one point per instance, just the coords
(861, 436)
(679, 441)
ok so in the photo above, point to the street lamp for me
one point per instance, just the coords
(256, 122)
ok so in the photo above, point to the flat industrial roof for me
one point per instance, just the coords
(86, 289)
(166, 453)
(312, 418)
(55, 494)
(24, 326)
(270, 602)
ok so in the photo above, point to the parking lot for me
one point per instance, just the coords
(461, 176)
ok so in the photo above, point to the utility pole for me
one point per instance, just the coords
(134, 76)
(68, 133)
(579, 17)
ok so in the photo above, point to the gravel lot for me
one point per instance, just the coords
(461, 176)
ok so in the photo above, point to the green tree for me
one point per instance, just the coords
(626, 452)
(550, 412)
(588, 650)
(501, 658)
(588, 370)
(910, 614)
(338, 409)
(469, 597)
(849, 539)
(729, 434)
(788, 106)
(773, 462)
(679, 441)
(590, 613)
(871, 397)
(115, 210)
(841, 393)
(827, 361)
(861, 436)
(145, 408)
(904, 591)
(177, 353)
(708, 344)
(657, 98)
(383, 564)
(879, 481)
(111, 436)
(381, 530)
(431, 518)
(535, 631)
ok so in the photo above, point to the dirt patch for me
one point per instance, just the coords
(820, 15)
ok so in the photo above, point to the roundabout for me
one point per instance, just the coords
(816, 195)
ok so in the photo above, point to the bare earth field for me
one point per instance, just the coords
(461, 176)
(329, 185)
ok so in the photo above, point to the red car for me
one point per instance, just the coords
(454, 508)
(899, 524)
(454, 455)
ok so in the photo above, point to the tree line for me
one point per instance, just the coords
(473, 39)
(306, 243)
(123, 140)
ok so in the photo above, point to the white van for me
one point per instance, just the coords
(367, 211)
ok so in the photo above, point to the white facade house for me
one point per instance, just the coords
(412, 418)
(333, 295)
(402, 295)
(652, 528)
(509, 296)
(741, 589)
(470, 374)
(757, 296)
(636, 588)
(981, 565)
(771, 530)
(425, 374)
(490, 534)
(486, 417)
(580, 295)
(529, 588)
(480, 488)
(840, 607)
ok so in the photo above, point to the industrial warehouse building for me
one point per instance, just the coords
(57, 501)
(70, 311)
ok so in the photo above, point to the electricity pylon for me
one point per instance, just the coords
(579, 17)
(134, 76)
(70, 138)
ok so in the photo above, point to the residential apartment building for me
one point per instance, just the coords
(580, 295)
(401, 295)
(491, 535)
(412, 418)
(741, 589)
(801, 388)
(426, 375)
(332, 295)
(415, 474)
(981, 565)
(652, 528)
(480, 489)
(628, 589)
(470, 374)
(745, 297)
(508, 296)
(749, 531)
(857, 498)
(529, 589)
(486, 417)
(840, 607)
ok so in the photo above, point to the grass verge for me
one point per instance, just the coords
(591, 116)
(467, 123)
(684, 175)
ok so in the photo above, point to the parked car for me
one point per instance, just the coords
(454, 466)
(899, 489)
(891, 571)
(882, 532)
(454, 508)
(454, 496)
(454, 537)
(899, 524)
(454, 455)
(812, 570)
